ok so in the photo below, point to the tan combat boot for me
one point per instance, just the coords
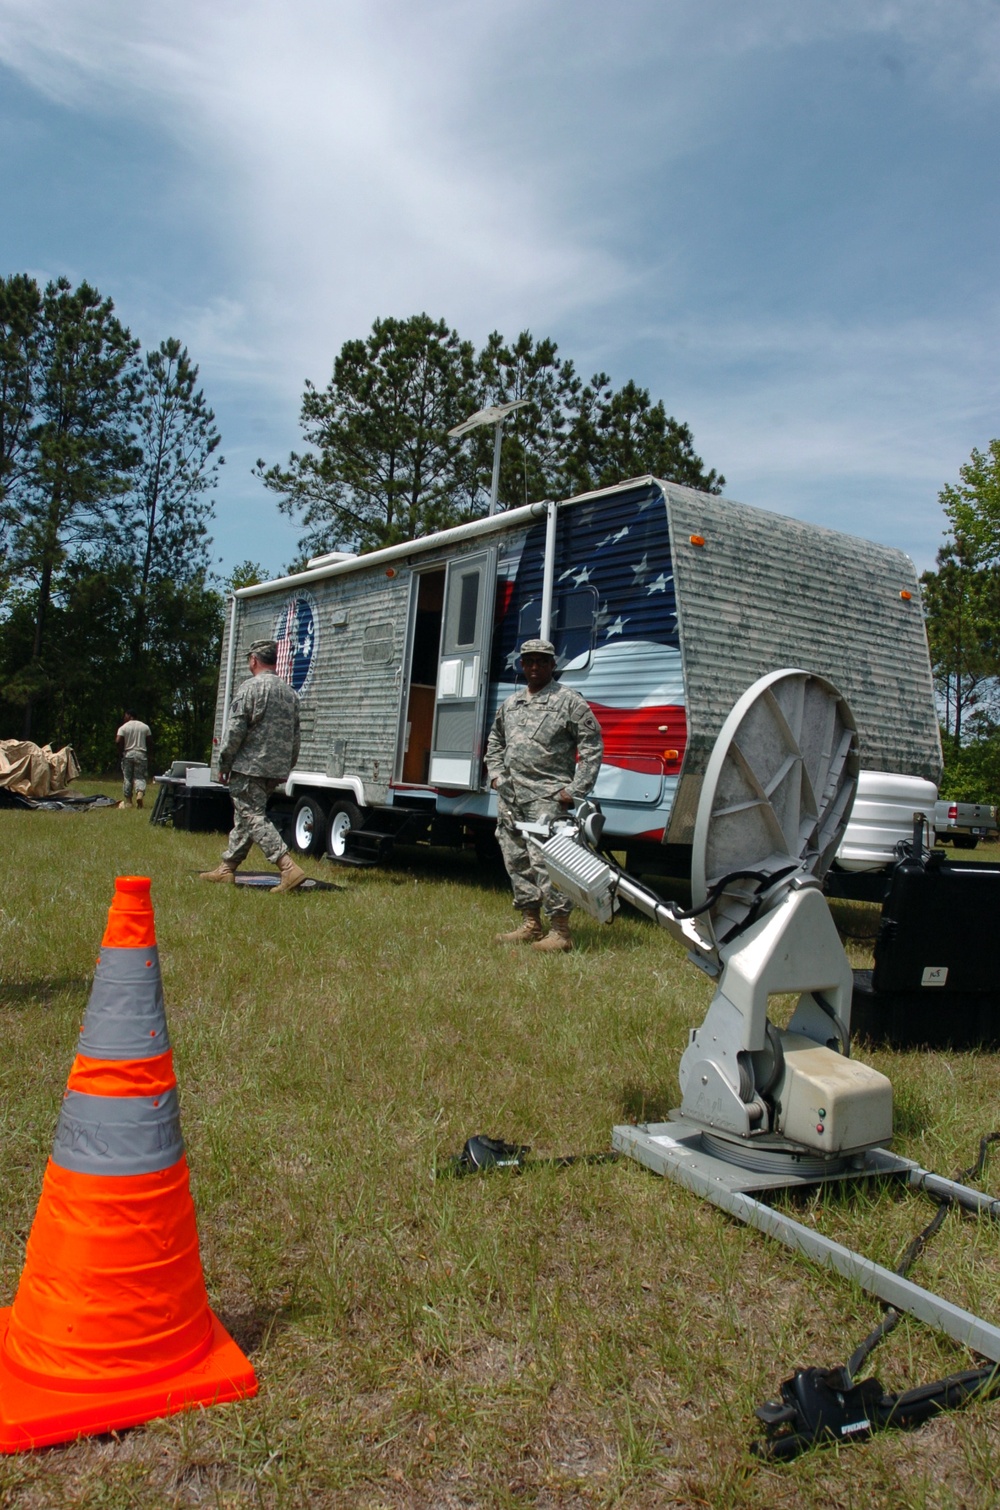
(292, 875)
(138, 799)
(125, 802)
(224, 871)
(559, 937)
(530, 930)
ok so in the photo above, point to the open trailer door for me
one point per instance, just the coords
(463, 665)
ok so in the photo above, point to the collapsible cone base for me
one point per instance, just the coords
(111, 1324)
(33, 1415)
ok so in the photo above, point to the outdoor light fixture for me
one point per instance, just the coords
(492, 416)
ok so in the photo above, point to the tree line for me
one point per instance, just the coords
(109, 455)
(962, 609)
(107, 460)
(382, 468)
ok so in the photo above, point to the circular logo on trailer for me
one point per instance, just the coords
(296, 630)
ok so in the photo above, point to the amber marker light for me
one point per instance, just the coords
(390, 571)
(697, 539)
(671, 754)
(906, 596)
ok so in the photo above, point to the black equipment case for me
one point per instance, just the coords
(936, 979)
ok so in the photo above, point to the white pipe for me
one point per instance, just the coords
(230, 662)
(495, 484)
(548, 571)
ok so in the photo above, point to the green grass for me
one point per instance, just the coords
(584, 1337)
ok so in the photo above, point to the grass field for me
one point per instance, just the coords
(590, 1336)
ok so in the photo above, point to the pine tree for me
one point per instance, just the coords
(80, 453)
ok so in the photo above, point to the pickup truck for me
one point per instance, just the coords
(963, 824)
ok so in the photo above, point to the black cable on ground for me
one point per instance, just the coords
(826, 1405)
(483, 1153)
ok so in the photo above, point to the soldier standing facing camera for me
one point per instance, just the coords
(260, 748)
(543, 754)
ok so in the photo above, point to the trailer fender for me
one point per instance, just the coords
(327, 787)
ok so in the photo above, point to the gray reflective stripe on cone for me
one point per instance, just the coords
(125, 1017)
(118, 1134)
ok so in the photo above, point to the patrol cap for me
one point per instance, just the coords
(265, 650)
(538, 647)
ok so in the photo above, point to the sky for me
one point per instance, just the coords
(779, 217)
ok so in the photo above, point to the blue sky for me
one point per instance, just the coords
(780, 216)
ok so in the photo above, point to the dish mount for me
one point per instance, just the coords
(764, 1106)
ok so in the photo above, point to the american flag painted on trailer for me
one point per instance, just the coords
(614, 628)
(296, 631)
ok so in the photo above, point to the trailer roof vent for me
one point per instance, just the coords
(331, 559)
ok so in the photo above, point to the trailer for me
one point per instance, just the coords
(664, 605)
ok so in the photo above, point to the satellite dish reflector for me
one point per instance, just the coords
(776, 795)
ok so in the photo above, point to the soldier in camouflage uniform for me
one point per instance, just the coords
(260, 748)
(532, 762)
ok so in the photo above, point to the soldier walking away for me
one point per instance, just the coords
(134, 740)
(260, 748)
(543, 754)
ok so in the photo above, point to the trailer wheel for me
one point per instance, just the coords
(308, 826)
(965, 841)
(344, 816)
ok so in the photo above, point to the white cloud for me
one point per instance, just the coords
(494, 163)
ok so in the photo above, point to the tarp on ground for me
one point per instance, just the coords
(30, 770)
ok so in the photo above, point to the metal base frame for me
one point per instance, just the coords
(677, 1150)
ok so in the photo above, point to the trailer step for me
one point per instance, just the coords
(374, 841)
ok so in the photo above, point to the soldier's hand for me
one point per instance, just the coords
(224, 777)
(565, 799)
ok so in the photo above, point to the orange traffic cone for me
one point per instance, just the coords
(111, 1324)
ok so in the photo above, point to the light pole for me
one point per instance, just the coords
(495, 415)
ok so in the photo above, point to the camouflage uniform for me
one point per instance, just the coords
(531, 754)
(135, 771)
(260, 748)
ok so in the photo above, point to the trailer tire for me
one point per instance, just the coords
(965, 841)
(308, 826)
(344, 816)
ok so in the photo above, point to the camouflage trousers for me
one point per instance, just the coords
(134, 772)
(250, 826)
(522, 855)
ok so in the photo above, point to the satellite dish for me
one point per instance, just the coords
(776, 795)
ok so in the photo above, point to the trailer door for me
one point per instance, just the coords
(460, 696)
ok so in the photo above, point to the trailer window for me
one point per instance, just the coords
(574, 625)
(468, 609)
